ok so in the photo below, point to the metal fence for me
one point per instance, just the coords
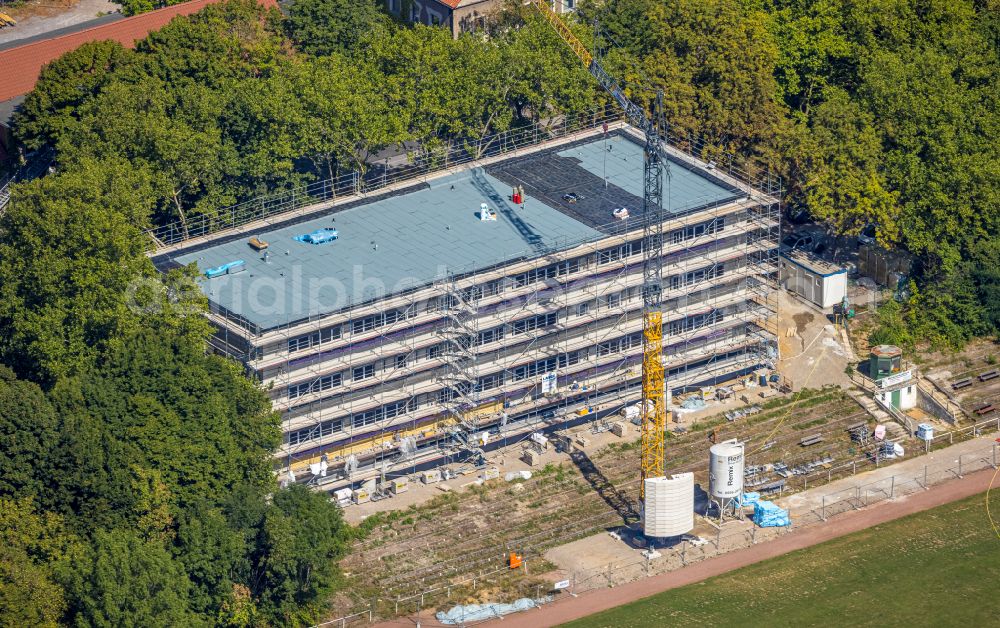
(737, 534)
(900, 484)
(5, 193)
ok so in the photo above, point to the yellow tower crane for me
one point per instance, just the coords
(654, 412)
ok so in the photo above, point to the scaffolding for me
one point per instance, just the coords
(719, 303)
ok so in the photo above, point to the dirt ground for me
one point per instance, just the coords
(570, 608)
(591, 553)
(506, 460)
(814, 352)
(42, 16)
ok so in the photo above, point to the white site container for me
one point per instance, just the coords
(362, 496)
(399, 485)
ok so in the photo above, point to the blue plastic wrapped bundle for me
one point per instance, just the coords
(226, 269)
(461, 615)
(769, 515)
(749, 499)
(693, 403)
(320, 236)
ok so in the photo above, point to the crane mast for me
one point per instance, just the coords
(654, 413)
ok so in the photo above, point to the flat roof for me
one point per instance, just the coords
(812, 263)
(608, 173)
(412, 237)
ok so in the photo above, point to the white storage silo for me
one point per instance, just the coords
(725, 470)
(669, 506)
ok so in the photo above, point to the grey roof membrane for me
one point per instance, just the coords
(404, 240)
(606, 174)
(684, 189)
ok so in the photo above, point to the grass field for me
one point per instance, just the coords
(936, 568)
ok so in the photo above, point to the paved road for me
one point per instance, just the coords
(45, 17)
(592, 602)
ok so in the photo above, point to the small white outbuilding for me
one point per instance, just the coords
(812, 278)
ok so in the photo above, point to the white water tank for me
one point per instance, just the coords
(725, 470)
(669, 506)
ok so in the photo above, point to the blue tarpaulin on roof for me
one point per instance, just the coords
(225, 269)
(320, 236)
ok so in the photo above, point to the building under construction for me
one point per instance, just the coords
(479, 304)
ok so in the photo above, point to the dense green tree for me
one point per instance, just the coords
(191, 418)
(36, 550)
(171, 133)
(28, 594)
(938, 153)
(984, 271)
(715, 62)
(212, 553)
(225, 41)
(126, 581)
(64, 289)
(65, 84)
(300, 537)
(449, 89)
(549, 79)
(264, 119)
(846, 186)
(346, 113)
(28, 436)
(322, 27)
